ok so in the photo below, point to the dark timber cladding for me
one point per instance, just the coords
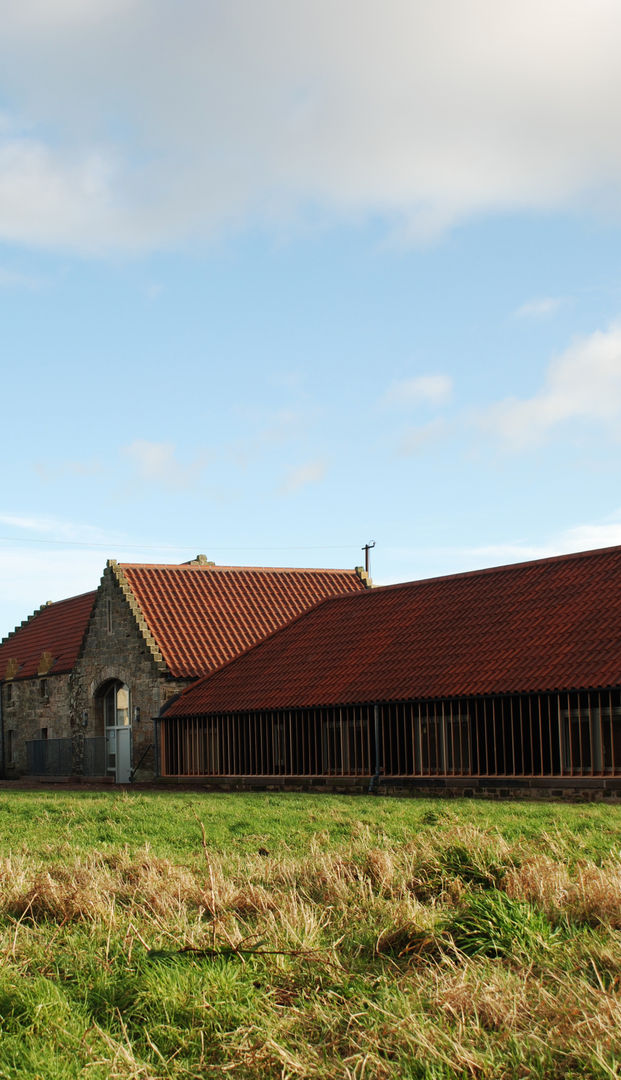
(545, 735)
(509, 672)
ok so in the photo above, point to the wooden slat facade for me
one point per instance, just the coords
(568, 734)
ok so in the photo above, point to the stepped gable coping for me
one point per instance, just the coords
(117, 573)
(25, 622)
(226, 597)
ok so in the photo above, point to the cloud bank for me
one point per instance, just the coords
(138, 123)
(582, 384)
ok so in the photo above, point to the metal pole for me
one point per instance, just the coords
(367, 561)
(156, 743)
(376, 723)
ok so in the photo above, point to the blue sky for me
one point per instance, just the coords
(279, 279)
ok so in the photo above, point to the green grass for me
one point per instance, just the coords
(51, 824)
(307, 936)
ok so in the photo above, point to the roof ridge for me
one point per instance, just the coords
(194, 567)
(44, 607)
(117, 572)
(545, 559)
(504, 630)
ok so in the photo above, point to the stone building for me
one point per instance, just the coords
(36, 663)
(505, 680)
(83, 679)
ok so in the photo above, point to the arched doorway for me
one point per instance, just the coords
(114, 704)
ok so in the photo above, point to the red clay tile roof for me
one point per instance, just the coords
(546, 625)
(202, 616)
(56, 629)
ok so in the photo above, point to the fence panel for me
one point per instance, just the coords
(50, 757)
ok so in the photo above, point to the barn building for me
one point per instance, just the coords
(81, 679)
(501, 680)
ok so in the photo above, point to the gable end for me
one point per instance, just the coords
(115, 570)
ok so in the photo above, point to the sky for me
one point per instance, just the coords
(279, 279)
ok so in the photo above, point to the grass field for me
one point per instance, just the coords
(156, 935)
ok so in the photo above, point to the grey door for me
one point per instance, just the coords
(123, 754)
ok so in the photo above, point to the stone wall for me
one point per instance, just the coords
(113, 648)
(31, 707)
(596, 789)
(117, 646)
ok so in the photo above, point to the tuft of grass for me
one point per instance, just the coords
(493, 924)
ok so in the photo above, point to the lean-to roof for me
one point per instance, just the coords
(539, 626)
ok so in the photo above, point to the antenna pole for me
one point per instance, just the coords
(367, 561)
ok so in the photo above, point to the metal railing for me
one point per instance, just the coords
(49, 757)
(61, 757)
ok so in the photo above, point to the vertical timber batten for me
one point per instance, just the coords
(528, 736)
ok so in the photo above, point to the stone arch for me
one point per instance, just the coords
(112, 704)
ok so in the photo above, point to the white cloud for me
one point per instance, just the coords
(583, 384)
(415, 439)
(439, 560)
(157, 463)
(301, 476)
(419, 390)
(47, 526)
(539, 309)
(587, 537)
(50, 198)
(136, 122)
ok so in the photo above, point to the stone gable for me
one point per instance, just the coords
(116, 647)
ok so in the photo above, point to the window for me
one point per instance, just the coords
(9, 693)
(43, 688)
(44, 733)
(109, 616)
(10, 747)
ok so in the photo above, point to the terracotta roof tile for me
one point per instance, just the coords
(531, 627)
(201, 616)
(56, 629)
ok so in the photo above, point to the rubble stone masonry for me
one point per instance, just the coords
(118, 646)
(33, 709)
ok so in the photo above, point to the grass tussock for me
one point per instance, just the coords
(588, 894)
(450, 952)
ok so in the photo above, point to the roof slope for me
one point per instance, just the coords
(201, 616)
(49, 641)
(545, 625)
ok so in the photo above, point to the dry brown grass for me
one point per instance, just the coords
(589, 894)
(333, 965)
